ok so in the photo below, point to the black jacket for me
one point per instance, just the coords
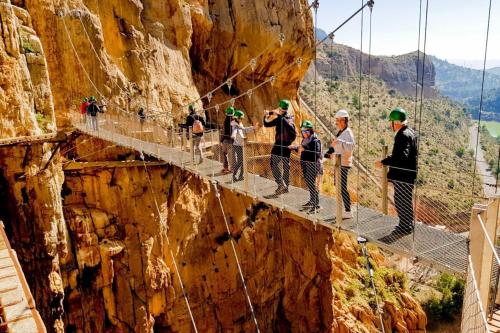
(312, 151)
(278, 122)
(93, 109)
(190, 121)
(403, 160)
(226, 134)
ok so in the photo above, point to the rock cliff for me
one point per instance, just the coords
(301, 278)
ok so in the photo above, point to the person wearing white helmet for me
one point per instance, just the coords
(343, 145)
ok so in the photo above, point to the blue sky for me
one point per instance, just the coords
(456, 29)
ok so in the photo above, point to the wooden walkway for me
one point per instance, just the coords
(17, 307)
(441, 249)
(494, 322)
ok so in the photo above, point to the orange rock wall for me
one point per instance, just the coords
(291, 267)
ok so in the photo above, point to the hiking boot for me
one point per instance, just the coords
(281, 189)
(402, 231)
(314, 209)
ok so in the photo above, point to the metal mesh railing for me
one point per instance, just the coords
(473, 316)
(436, 218)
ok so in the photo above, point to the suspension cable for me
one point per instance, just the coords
(482, 95)
(418, 61)
(165, 227)
(369, 81)
(359, 107)
(419, 137)
(240, 271)
(368, 3)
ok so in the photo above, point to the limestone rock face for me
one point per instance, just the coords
(31, 208)
(300, 278)
(26, 106)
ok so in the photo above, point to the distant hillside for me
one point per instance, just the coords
(464, 85)
(398, 72)
(494, 70)
(320, 34)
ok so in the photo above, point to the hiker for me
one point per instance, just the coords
(93, 109)
(238, 136)
(310, 162)
(83, 111)
(284, 137)
(197, 125)
(141, 115)
(227, 141)
(142, 118)
(402, 173)
(343, 145)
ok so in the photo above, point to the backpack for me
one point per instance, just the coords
(288, 132)
(197, 127)
(93, 109)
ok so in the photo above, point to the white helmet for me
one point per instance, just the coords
(342, 114)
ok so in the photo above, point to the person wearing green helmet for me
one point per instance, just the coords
(83, 110)
(311, 164)
(227, 142)
(238, 135)
(284, 137)
(402, 165)
(93, 110)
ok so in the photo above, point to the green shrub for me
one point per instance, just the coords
(450, 303)
(27, 47)
(460, 152)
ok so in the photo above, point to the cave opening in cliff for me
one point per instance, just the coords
(5, 208)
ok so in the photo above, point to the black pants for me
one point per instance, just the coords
(238, 162)
(310, 172)
(403, 199)
(344, 172)
(281, 155)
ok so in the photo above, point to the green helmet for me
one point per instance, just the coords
(85, 99)
(239, 114)
(307, 124)
(92, 99)
(284, 104)
(398, 114)
(191, 108)
(230, 111)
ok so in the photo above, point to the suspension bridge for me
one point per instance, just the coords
(445, 248)
(437, 247)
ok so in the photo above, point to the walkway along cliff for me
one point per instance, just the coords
(111, 232)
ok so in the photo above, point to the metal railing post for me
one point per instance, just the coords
(484, 218)
(384, 183)
(338, 189)
(245, 166)
(183, 139)
(191, 143)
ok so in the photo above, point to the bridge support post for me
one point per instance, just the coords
(480, 248)
(183, 139)
(384, 183)
(245, 166)
(191, 143)
(171, 137)
(338, 189)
